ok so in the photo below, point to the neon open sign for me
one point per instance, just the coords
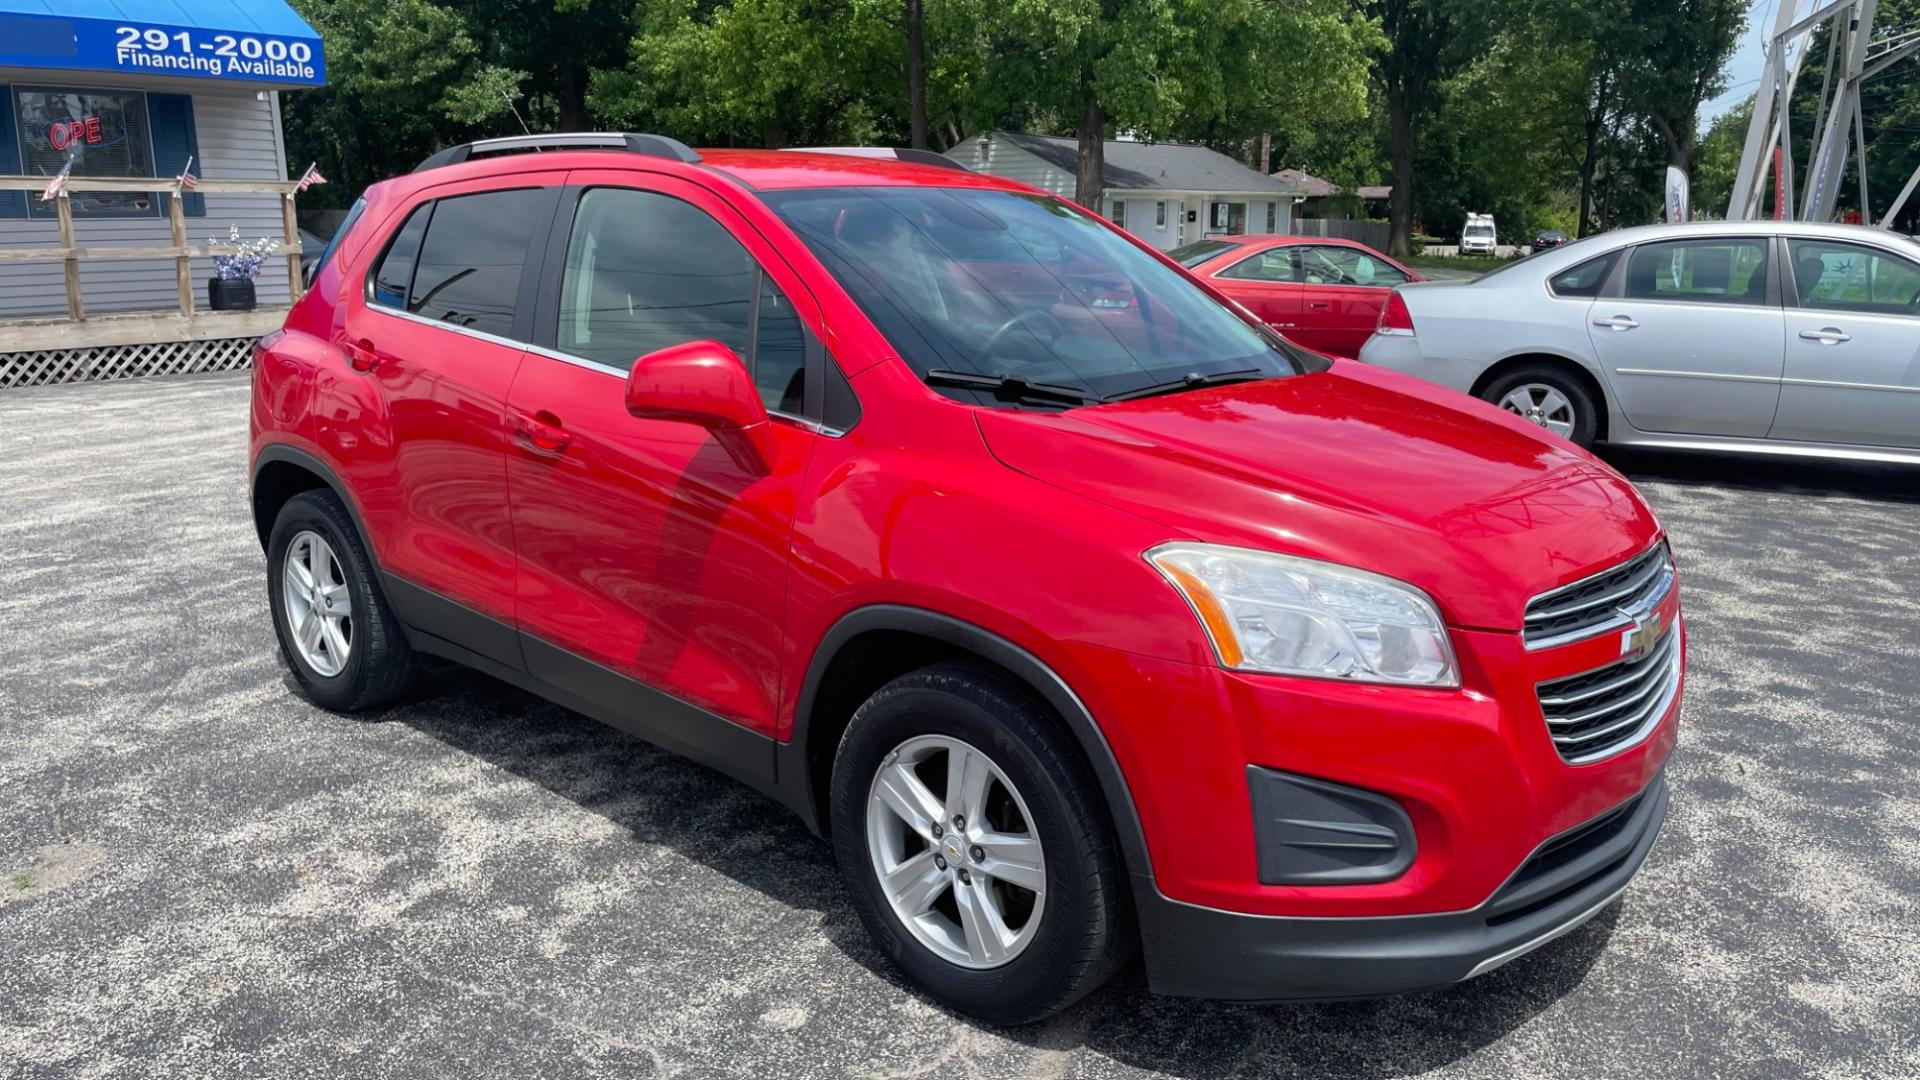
(74, 130)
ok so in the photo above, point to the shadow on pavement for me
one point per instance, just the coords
(661, 799)
(1759, 472)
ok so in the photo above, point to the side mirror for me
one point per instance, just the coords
(704, 383)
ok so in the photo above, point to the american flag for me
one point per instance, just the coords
(57, 186)
(310, 177)
(186, 181)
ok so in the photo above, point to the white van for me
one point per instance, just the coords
(1478, 237)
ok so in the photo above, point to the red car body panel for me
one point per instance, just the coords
(1327, 318)
(646, 548)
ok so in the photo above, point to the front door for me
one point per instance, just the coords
(644, 545)
(1342, 292)
(1853, 347)
(434, 348)
(1692, 345)
(1267, 283)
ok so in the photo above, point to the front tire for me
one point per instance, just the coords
(342, 642)
(1549, 397)
(974, 846)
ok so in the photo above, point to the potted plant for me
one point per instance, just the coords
(231, 287)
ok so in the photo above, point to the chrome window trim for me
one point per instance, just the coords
(464, 331)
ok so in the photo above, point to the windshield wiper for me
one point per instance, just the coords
(1012, 387)
(1193, 380)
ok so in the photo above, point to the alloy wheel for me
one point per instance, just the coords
(319, 605)
(1542, 404)
(955, 851)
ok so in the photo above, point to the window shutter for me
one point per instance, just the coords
(13, 204)
(170, 117)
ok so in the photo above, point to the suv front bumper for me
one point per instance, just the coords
(1205, 952)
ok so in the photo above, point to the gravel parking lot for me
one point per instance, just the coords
(200, 875)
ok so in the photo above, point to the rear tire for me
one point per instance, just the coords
(1068, 927)
(337, 634)
(1548, 396)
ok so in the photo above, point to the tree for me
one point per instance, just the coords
(401, 81)
(1677, 59)
(916, 30)
(1213, 70)
(1423, 47)
(759, 73)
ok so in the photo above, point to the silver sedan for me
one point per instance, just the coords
(1766, 336)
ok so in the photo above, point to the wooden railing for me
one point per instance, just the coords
(72, 254)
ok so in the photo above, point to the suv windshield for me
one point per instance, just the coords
(1021, 287)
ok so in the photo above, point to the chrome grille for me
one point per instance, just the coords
(1608, 709)
(1596, 604)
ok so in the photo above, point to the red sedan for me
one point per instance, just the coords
(1323, 293)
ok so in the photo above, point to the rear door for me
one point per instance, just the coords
(645, 547)
(1343, 289)
(434, 344)
(1691, 340)
(1852, 346)
(1267, 283)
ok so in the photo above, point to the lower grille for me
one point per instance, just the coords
(1574, 862)
(1609, 709)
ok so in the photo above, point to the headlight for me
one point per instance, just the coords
(1291, 616)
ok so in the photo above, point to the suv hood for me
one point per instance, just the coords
(1351, 465)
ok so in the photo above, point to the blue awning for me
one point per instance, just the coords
(244, 41)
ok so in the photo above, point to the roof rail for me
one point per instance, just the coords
(898, 153)
(651, 145)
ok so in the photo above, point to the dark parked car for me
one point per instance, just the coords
(1547, 239)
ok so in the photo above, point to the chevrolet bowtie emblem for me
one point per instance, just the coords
(1639, 640)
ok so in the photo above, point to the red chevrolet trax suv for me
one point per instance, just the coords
(1083, 612)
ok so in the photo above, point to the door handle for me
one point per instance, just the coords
(1319, 305)
(1617, 324)
(1831, 335)
(543, 430)
(361, 356)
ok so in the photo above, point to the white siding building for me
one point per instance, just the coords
(1167, 194)
(110, 103)
(233, 133)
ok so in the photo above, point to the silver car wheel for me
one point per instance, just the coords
(1542, 404)
(963, 870)
(319, 606)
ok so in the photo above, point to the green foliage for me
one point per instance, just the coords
(1506, 102)
(1676, 58)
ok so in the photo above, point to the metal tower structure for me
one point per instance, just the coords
(1853, 57)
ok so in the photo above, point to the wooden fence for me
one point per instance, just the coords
(1377, 235)
(73, 255)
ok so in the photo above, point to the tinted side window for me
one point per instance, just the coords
(346, 226)
(1843, 277)
(470, 262)
(1715, 271)
(1274, 264)
(779, 360)
(394, 275)
(1345, 266)
(645, 271)
(1585, 280)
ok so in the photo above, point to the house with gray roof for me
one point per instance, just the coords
(1167, 194)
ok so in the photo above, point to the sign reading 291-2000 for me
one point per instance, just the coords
(201, 52)
(290, 55)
